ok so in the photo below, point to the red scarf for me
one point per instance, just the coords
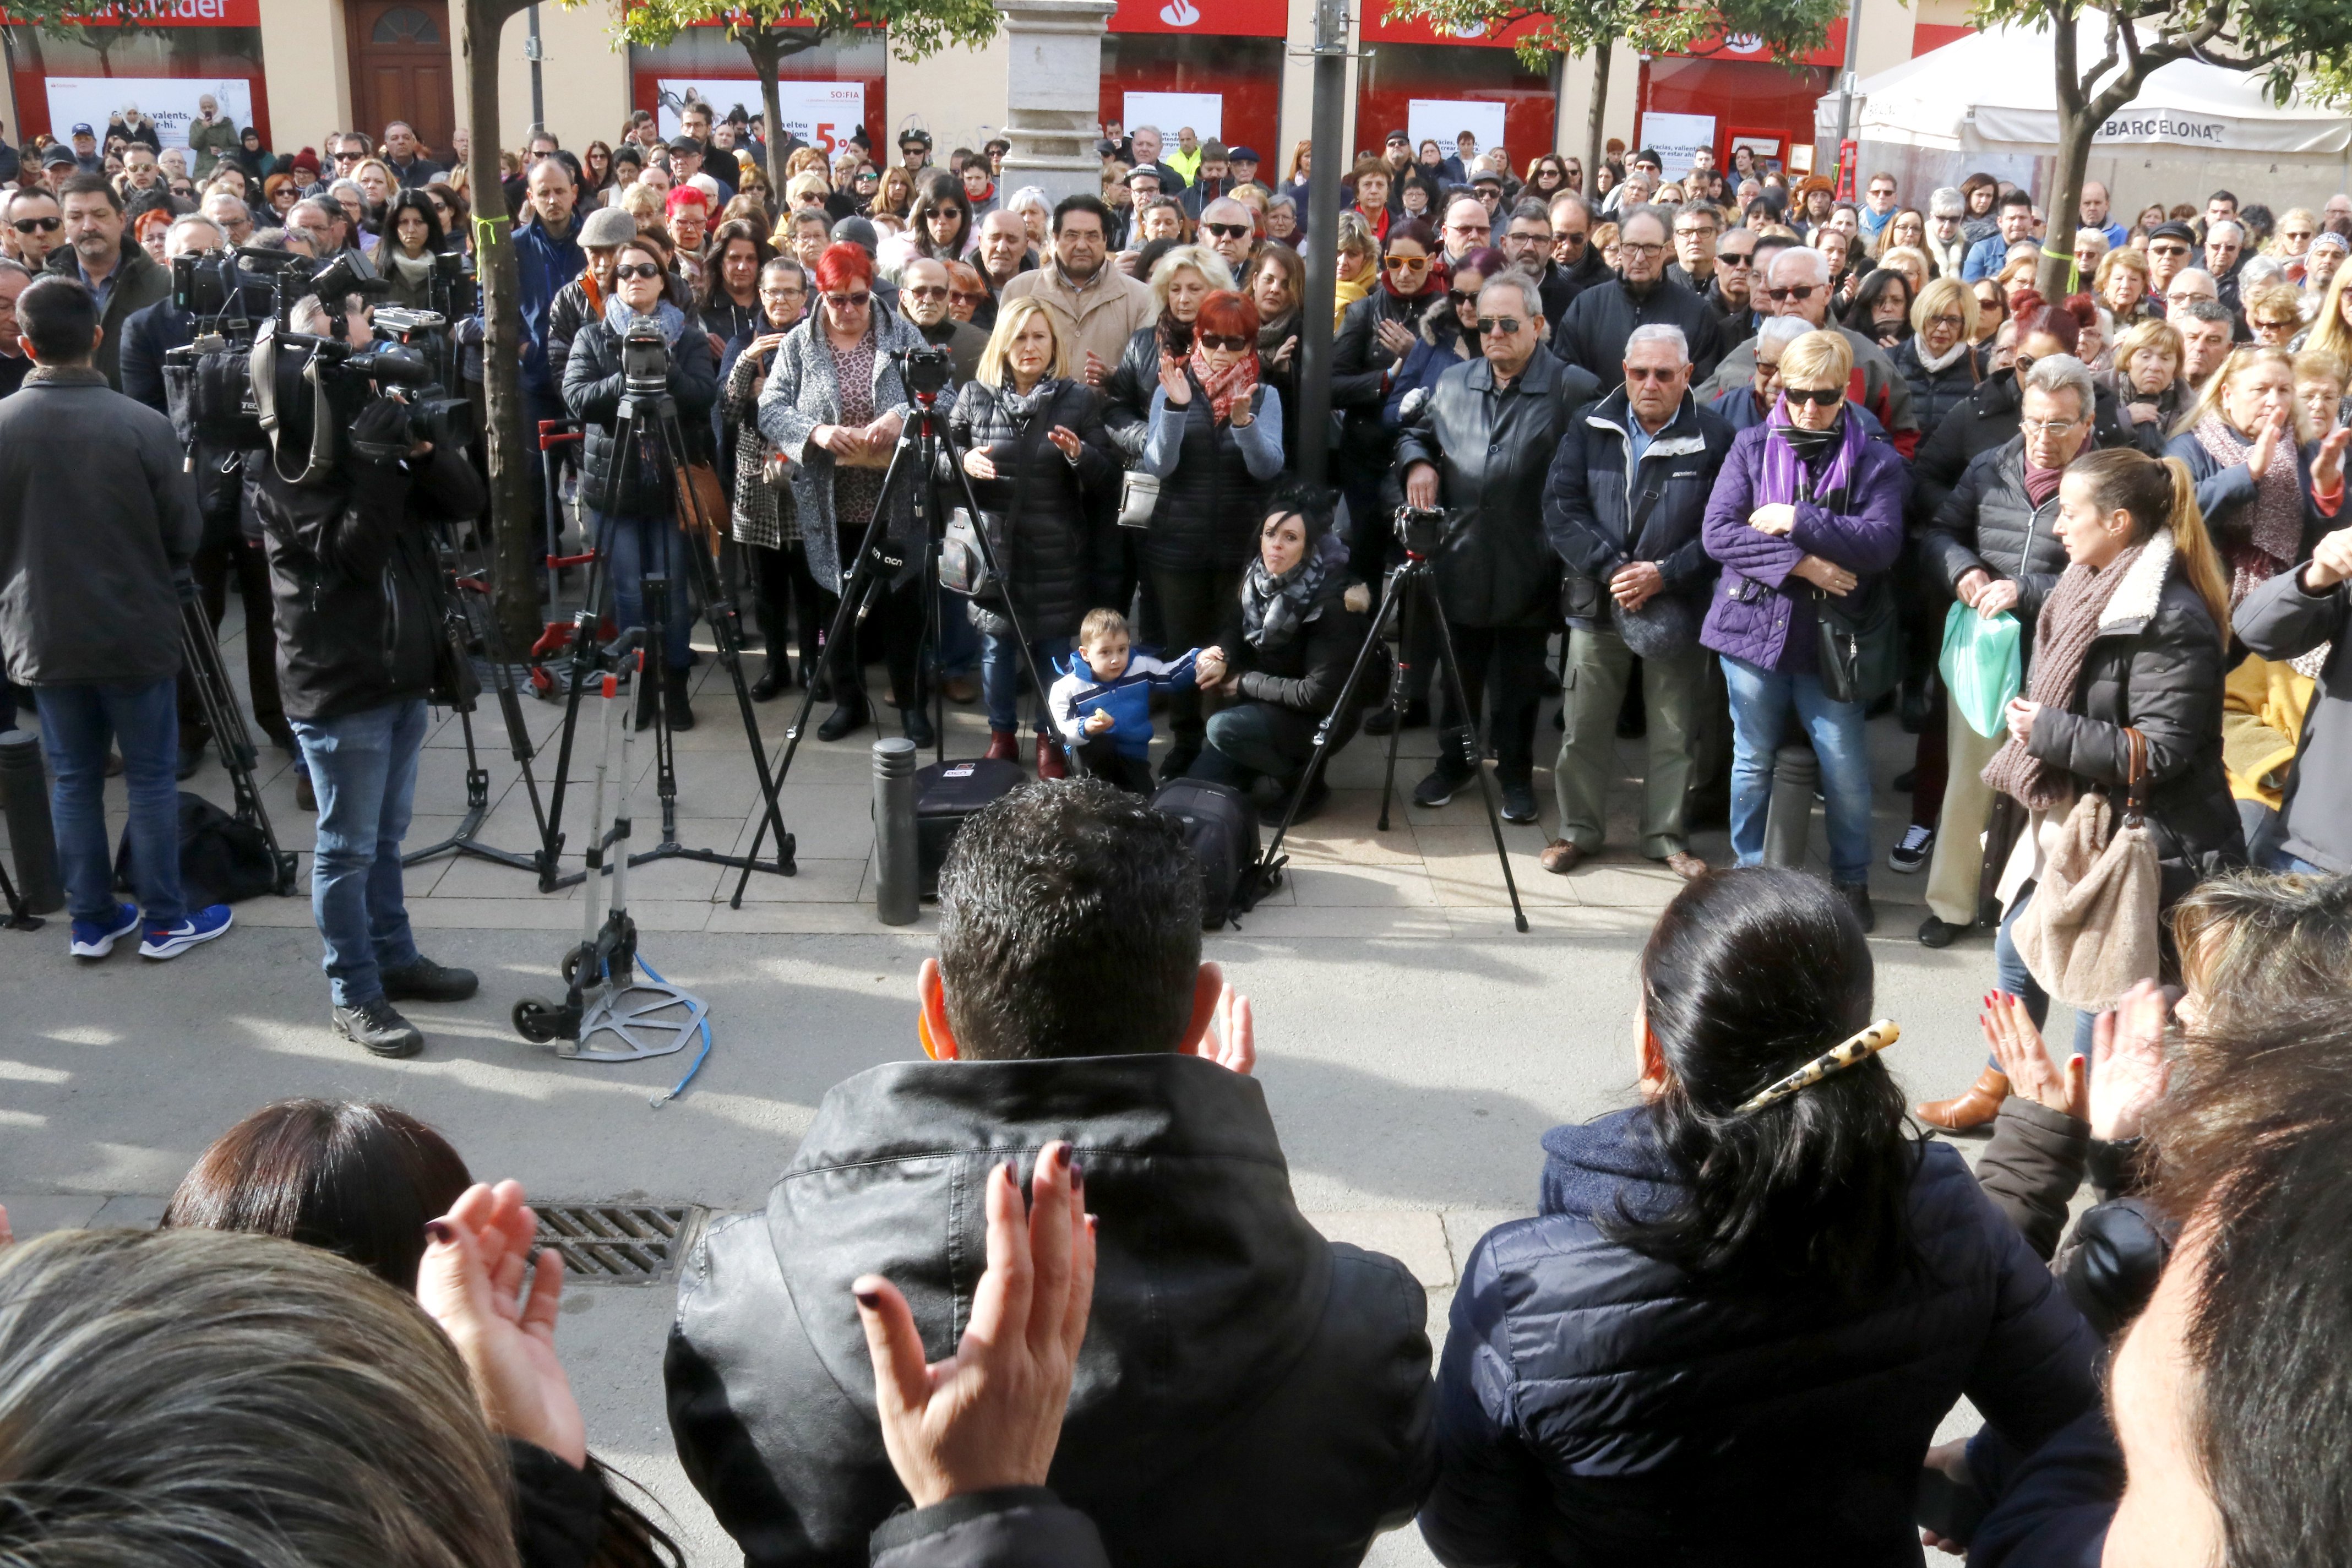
(1227, 386)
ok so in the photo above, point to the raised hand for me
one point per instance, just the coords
(1232, 1040)
(2017, 1046)
(1173, 381)
(2129, 1069)
(471, 1282)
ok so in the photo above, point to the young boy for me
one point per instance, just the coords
(1103, 706)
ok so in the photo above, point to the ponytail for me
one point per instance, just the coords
(2159, 494)
(2192, 545)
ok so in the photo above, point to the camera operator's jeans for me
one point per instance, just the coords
(363, 767)
(642, 544)
(1762, 701)
(1003, 674)
(76, 723)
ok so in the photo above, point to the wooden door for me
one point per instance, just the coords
(401, 67)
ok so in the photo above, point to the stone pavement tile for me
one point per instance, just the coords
(1414, 1237)
(1464, 870)
(293, 912)
(1624, 880)
(33, 1214)
(1352, 924)
(1565, 924)
(1347, 832)
(1464, 1227)
(829, 821)
(815, 883)
(1362, 886)
(129, 1211)
(809, 920)
(552, 912)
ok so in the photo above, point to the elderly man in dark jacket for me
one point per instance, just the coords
(1249, 1392)
(1994, 546)
(98, 516)
(1479, 447)
(101, 255)
(1600, 319)
(1623, 508)
(2292, 614)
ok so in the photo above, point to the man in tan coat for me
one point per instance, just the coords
(1095, 306)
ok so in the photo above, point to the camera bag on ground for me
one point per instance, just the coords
(1220, 822)
(947, 793)
(222, 860)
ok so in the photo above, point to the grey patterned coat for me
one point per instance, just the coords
(800, 396)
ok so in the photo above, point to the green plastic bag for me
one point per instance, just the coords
(1982, 665)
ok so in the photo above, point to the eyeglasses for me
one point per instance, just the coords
(1818, 396)
(37, 225)
(783, 291)
(924, 290)
(1219, 340)
(1768, 370)
(1228, 230)
(636, 270)
(849, 301)
(1948, 320)
(2047, 426)
(2182, 296)
(1499, 326)
(1800, 292)
(1409, 263)
(1651, 373)
(1734, 258)
(1629, 247)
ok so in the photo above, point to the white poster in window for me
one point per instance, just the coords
(1675, 137)
(1171, 111)
(821, 113)
(1441, 119)
(169, 101)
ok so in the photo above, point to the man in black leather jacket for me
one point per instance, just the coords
(1248, 1392)
(360, 647)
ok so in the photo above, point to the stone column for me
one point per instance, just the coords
(1053, 94)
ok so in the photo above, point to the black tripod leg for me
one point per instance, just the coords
(583, 648)
(1269, 863)
(234, 741)
(1453, 668)
(1404, 586)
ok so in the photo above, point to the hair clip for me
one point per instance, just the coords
(1861, 1047)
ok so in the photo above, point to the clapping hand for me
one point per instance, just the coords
(2017, 1046)
(1065, 441)
(2328, 462)
(2130, 1069)
(2258, 462)
(979, 463)
(1174, 383)
(1232, 1039)
(471, 1282)
(2331, 560)
(991, 1415)
(1397, 339)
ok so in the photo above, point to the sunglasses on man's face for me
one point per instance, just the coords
(1228, 230)
(1800, 292)
(1650, 372)
(1219, 340)
(1499, 326)
(1818, 396)
(1734, 259)
(2173, 250)
(924, 290)
(636, 270)
(37, 225)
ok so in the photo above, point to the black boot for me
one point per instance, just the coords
(676, 698)
(849, 714)
(916, 723)
(772, 679)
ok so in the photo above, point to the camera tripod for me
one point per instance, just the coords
(1411, 582)
(467, 624)
(19, 917)
(914, 460)
(649, 412)
(230, 736)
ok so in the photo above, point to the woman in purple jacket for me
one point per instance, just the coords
(1806, 517)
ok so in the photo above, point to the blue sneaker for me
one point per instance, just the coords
(170, 941)
(96, 938)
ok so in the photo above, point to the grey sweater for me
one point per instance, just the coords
(98, 514)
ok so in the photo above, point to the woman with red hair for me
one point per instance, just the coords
(834, 404)
(1215, 445)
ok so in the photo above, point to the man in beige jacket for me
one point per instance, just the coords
(1095, 306)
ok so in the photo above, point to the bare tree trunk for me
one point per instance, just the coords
(766, 58)
(511, 448)
(2055, 273)
(1594, 118)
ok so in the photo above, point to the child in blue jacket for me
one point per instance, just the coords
(1102, 704)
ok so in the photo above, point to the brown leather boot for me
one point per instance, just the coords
(1970, 1110)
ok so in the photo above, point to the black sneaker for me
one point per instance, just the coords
(1935, 933)
(1911, 854)
(1518, 800)
(1177, 762)
(1441, 785)
(377, 1024)
(426, 981)
(1857, 898)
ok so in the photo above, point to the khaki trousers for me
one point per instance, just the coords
(1959, 859)
(1599, 664)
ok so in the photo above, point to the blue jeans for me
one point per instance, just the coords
(2276, 858)
(76, 723)
(2010, 971)
(363, 766)
(959, 651)
(1760, 701)
(1001, 673)
(640, 544)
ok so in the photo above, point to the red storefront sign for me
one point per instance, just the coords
(1223, 18)
(1381, 25)
(169, 14)
(1747, 46)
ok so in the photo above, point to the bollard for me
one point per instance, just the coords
(1789, 820)
(25, 800)
(897, 883)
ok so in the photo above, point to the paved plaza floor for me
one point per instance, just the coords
(1413, 1046)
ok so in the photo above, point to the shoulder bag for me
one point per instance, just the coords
(2089, 932)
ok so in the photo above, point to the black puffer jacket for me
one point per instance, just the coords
(592, 390)
(1493, 449)
(1046, 523)
(1987, 521)
(1249, 1393)
(1126, 393)
(1593, 332)
(1210, 506)
(1359, 370)
(1936, 392)
(2156, 665)
(1987, 418)
(1598, 1407)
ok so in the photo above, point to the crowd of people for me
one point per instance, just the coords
(1046, 1299)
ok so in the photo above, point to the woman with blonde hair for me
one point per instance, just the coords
(1185, 275)
(2331, 329)
(2121, 285)
(2258, 492)
(1358, 260)
(2147, 361)
(1940, 359)
(1040, 464)
(896, 197)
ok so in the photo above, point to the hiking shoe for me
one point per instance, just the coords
(1518, 800)
(200, 927)
(1911, 854)
(426, 981)
(377, 1024)
(96, 938)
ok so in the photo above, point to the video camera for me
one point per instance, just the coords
(644, 358)
(925, 372)
(1421, 530)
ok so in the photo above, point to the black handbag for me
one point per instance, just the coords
(1860, 656)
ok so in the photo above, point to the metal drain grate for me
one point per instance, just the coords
(632, 1243)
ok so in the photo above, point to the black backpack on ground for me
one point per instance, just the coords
(945, 793)
(1220, 822)
(222, 860)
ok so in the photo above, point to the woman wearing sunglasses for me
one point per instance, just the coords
(1447, 335)
(633, 495)
(835, 406)
(1215, 445)
(1374, 336)
(1181, 279)
(1806, 518)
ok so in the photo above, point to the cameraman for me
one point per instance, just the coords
(633, 495)
(360, 650)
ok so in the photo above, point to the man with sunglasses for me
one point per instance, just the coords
(1479, 449)
(1731, 287)
(1572, 248)
(34, 226)
(925, 289)
(1601, 319)
(1623, 507)
(1798, 285)
(1468, 228)
(1229, 229)
(2170, 247)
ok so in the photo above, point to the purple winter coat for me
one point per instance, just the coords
(1759, 597)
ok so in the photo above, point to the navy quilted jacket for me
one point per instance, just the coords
(1596, 1407)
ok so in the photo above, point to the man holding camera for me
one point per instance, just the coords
(361, 649)
(98, 520)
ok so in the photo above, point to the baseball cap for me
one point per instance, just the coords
(1140, 170)
(1106, 148)
(1245, 155)
(58, 156)
(81, 131)
(1398, 136)
(686, 144)
(858, 232)
(2179, 231)
(1488, 177)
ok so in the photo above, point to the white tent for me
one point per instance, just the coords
(1990, 102)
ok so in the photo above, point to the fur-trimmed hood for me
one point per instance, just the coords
(2135, 600)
